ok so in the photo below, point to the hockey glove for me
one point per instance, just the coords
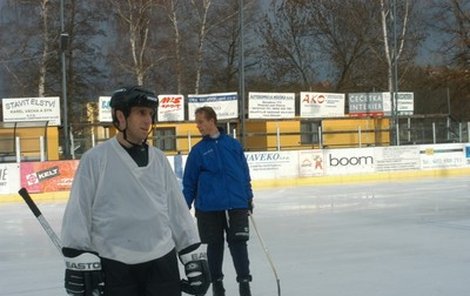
(83, 275)
(194, 259)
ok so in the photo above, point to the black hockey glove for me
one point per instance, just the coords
(83, 275)
(194, 259)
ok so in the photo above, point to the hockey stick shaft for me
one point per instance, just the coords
(268, 255)
(45, 225)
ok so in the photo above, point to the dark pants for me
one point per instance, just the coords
(212, 228)
(158, 277)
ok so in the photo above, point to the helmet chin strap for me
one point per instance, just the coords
(124, 136)
(124, 133)
(130, 142)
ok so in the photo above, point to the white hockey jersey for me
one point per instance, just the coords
(124, 212)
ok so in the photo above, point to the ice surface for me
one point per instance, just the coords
(377, 239)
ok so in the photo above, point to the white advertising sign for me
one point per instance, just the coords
(397, 158)
(9, 178)
(368, 104)
(310, 163)
(225, 104)
(271, 105)
(321, 105)
(32, 109)
(104, 110)
(349, 161)
(272, 165)
(405, 103)
(170, 108)
(442, 156)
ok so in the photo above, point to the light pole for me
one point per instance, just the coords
(241, 69)
(394, 74)
(64, 40)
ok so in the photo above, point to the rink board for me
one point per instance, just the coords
(52, 179)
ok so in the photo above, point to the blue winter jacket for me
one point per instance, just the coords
(216, 175)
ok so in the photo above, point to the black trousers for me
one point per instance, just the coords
(213, 228)
(158, 277)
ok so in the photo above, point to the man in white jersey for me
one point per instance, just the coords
(126, 222)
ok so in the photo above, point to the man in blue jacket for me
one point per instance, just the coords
(217, 180)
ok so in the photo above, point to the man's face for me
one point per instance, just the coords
(139, 123)
(205, 127)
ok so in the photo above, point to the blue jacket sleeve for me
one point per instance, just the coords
(246, 169)
(190, 178)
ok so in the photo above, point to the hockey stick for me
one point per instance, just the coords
(268, 255)
(32, 206)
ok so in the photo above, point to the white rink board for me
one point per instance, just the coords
(279, 165)
(9, 177)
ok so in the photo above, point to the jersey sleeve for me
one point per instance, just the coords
(182, 224)
(76, 223)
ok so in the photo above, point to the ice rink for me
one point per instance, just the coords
(407, 238)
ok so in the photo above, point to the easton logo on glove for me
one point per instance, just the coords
(84, 262)
(197, 256)
(83, 266)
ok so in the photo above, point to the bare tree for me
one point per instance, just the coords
(135, 18)
(310, 41)
(393, 45)
(201, 8)
(83, 23)
(288, 44)
(30, 44)
(44, 4)
(172, 9)
(344, 30)
(223, 44)
(200, 42)
(452, 21)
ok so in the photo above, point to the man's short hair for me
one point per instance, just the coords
(208, 112)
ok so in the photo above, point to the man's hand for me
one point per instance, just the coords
(194, 259)
(83, 275)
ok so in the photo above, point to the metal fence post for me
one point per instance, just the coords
(397, 133)
(320, 137)
(409, 130)
(448, 128)
(460, 132)
(278, 138)
(41, 149)
(359, 135)
(18, 149)
(93, 140)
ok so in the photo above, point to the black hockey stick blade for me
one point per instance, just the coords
(45, 225)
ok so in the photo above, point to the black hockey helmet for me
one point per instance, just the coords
(125, 98)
